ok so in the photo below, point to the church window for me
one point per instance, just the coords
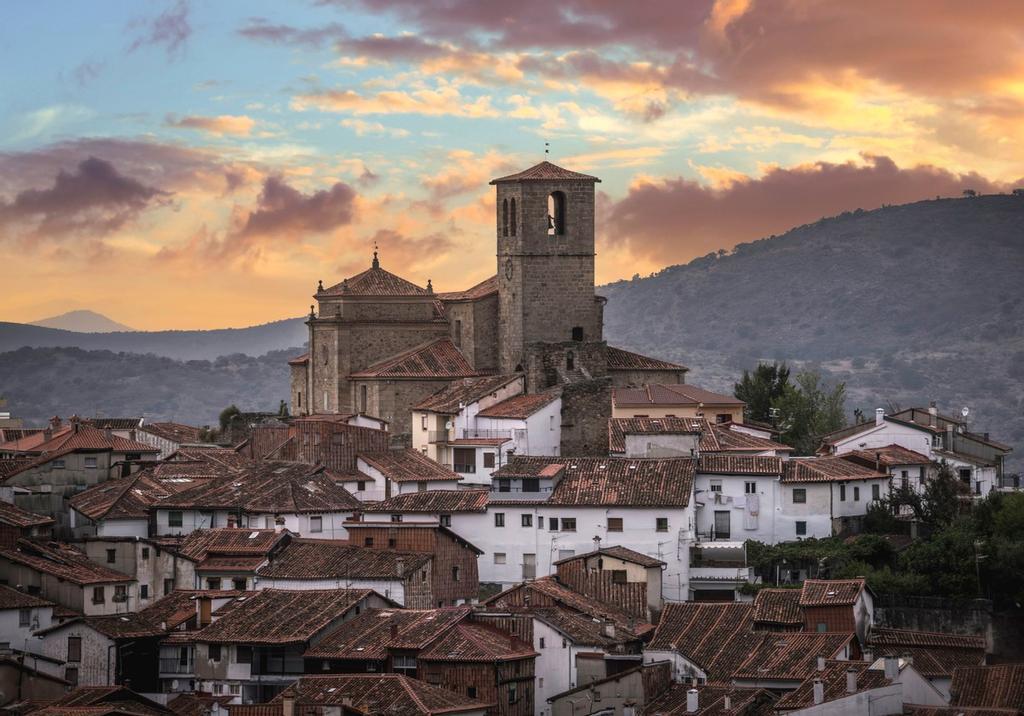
(298, 397)
(458, 332)
(570, 361)
(556, 213)
(577, 333)
(504, 217)
(362, 399)
(512, 217)
(324, 355)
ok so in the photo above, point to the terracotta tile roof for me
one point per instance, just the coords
(833, 679)
(729, 440)
(935, 654)
(123, 498)
(374, 281)
(626, 482)
(11, 598)
(711, 701)
(466, 641)
(678, 394)
(487, 287)
(214, 455)
(830, 592)
(175, 432)
(373, 633)
(15, 516)
(326, 559)
(270, 487)
(790, 656)
(439, 501)
(299, 360)
(452, 398)
(175, 608)
(29, 440)
(619, 359)
(199, 545)
(740, 465)
(999, 686)
(546, 171)
(618, 428)
(619, 552)
(883, 637)
(408, 465)
(826, 469)
(132, 625)
(778, 607)
(277, 616)
(391, 694)
(63, 561)
(197, 704)
(888, 456)
(718, 636)
(78, 437)
(519, 407)
(113, 423)
(103, 700)
(439, 359)
(13, 466)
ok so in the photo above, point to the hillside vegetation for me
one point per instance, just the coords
(905, 304)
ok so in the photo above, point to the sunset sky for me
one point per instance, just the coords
(202, 163)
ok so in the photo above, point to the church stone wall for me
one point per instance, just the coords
(485, 334)
(392, 400)
(298, 379)
(586, 407)
(638, 378)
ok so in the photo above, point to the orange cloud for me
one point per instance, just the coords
(240, 125)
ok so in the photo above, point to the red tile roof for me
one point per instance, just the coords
(74, 438)
(999, 686)
(13, 466)
(112, 423)
(391, 694)
(619, 552)
(618, 428)
(711, 701)
(277, 616)
(299, 360)
(519, 407)
(102, 700)
(740, 465)
(11, 598)
(679, 394)
(203, 546)
(124, 498)
(790, 656)
(63, 561)
(326, 559)
(467, 641)
(373, 633)
(935, 654)
(408, 465)
(197, 704)
(545, 171)
(619, 359)
(433, 501)
(778, 607)
(834, 682)
(374, 281)
(728, 440)
(625, 482)
(830, 592)
(17, 517)
(888, 456)
(826, 469)
(451, 399)
(175, 432)
(715, 636)
(487, 287)
(439, 359)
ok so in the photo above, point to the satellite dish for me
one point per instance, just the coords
(965, 411)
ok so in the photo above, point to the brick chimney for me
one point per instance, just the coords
(56, 422)
(933, 414)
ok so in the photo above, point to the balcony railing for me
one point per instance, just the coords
(464, 468)
(438, 436)
(174, 666)
(469, 433)
(722, 574)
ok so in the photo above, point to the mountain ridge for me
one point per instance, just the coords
(82, 321)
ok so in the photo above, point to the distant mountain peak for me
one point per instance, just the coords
(82, 321)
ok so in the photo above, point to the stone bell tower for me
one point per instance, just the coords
(550, 319)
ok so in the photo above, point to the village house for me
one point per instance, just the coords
(675, 400)
(443, 647)
(674, 437)
(255, 648)
(633, 688)
(395, 472)
(778, 610)
(16, 523)
(976, 459)
(988, 687)
(935, 655)
(824, 496)
(838, 605)
(617, 576)
(338, 695)
(781, 662)
(21, 614)
(167, 437)
(712, 700)
(223, 557)
(844, 687)
(103, 701)
(64, 574)
(273, 495)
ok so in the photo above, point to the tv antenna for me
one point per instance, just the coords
(965, 411)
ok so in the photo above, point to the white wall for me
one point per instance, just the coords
(19, 637)
(122, 528)
(743, 523)
(332, 522)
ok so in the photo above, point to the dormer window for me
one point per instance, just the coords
(556, 213)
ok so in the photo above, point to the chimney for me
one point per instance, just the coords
(851, 681)
(394, 630)
(108, 434)
(609, 629)
(821, 663)
(869, 656)
(933, 414)
(288, 706)
(727, 703)
(879, 416)
(48, 435)
(892, 667)
(400, 566)
(692, 702)
(819, 691)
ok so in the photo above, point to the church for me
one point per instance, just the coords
(379, 343)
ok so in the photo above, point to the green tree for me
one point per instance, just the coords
(808, 410)
(941, 502)
(227, 415)
(760, 389)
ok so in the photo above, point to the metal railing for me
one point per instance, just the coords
(464, 468)
(438, 436)
(478, 433)
(173, 665)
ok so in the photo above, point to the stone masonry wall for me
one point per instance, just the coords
(586, 407)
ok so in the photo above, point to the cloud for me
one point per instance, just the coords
(673, 220)
(282, 209)
(94, 200)
(263, 30)
(170, 30)
(47, 119)
(434, 102)
(219, 125)
(361, 127)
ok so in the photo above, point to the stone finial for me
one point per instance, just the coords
(312, 312)
(376, 261)
(344, 286)
(320, 286)
(430, 286)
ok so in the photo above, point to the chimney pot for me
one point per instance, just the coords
(727, 702)
(692, 701)
(821, 663)
(394, 631)
(879, 416)
(288, 706)
(851, 681)
(819, 691)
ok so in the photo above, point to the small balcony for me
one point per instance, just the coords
(731, 574)
(464, 468)
(174, 666)
(438, 437)
(471, 433)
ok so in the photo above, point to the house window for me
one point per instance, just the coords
(499, 519)
(168, 586)
(876, 492)
(74, 649)
(316, 523)
(392, 543)
(615, 524)
(822, 627)
(120, 593)
(235, 689)
(500, 558)
(405, 664)
(842, 493)
(801, 528)
(71, 675)
(749, 488)
(531, 484)
(540, 520)
(551, 422)
(243, 654)
(488, 459)
(213, 583)
(464, 460)
(239, 583)
(723, 417)
(471, 692)
(58, 464)
(362, 399)
(360, 485)
(368, 542)
(553, 524)
(566, 554)
(799, 495)
(856, 494)
(218, 689)
(455, 574)
(446, 520)
(174, 519)
(396, 518)
(458, 332)
(143, 591)
(661, 524)
(421, 486)
(570, 361)
(716, 485)
(504, 485)
(512, 217)
(145, 552)
(513, 693)
(556, 220)
(542, 645)
(111, 556)
(423, 578)
(526, 520)
(98, 596)
(618, 576)
(24, 617)
(298, 402)
(568, 524)
(577, 333)
(90, 462)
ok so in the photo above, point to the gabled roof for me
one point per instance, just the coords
(13, 515)
(197, 704)
(270, 487)
(374, 281)
(408, 465)
(378, 694)
(729, 440)
(63, 561)
(327, 559)
(716, 636)
(935, 654)
(999, 686)
(373, 633)
(619, 359)
(113, 423)
(78, 437)
(439, 359)
(778, 607)
(215, 456)
(545, 171)
(678, 394)
(830, 592)
(826, 469)
(123, 498)
(174, 432)
(740, 465)
(466, 641)
(618, 552)
(790, 656)
(299, 359)
(440, 501)
(711, 701)
(277, 616)
(487, 287)
(888, 456)
(519, 407)
(11, 598)
(107, 699)
(619, 428)
(203, 546)
(451, 399)
(834, 682)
